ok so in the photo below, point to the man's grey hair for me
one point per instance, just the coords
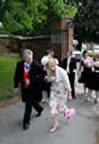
(27, 52)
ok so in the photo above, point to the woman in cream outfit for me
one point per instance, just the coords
(60, 90)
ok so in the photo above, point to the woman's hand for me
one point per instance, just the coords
(46, 78)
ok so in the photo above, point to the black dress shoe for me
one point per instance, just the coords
(26, 126)
(95, 101)
(39, 113)
(73, 97)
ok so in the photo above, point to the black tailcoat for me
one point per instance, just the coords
(72, 67)
(34, 91)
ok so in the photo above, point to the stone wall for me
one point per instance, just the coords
(39, 46)
(60, 40)
(8, 46)
(14, 46)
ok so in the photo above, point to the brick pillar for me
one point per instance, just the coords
(61, 37)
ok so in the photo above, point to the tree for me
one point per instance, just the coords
(18, 17)
(86, 22)
(31, 17)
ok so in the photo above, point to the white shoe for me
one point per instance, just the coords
(93, 96)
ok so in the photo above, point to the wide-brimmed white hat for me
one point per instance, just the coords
(44, 60)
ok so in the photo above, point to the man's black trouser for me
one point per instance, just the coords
(72, 80)
(28, 110)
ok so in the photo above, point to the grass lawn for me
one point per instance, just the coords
(7, 69)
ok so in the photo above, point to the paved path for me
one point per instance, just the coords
(81, 130)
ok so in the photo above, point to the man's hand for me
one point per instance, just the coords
(16, 90)
(27, 82)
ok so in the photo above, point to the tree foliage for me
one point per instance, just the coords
(86, 21)
(30, 17)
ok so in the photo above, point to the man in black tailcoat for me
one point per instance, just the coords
(69, 64)
(29, 75)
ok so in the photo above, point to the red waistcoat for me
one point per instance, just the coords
(25, 76)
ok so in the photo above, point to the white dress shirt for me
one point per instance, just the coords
(68, 63)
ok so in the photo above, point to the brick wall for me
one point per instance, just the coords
(63, 37)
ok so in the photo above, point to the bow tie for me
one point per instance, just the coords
(27, 66)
